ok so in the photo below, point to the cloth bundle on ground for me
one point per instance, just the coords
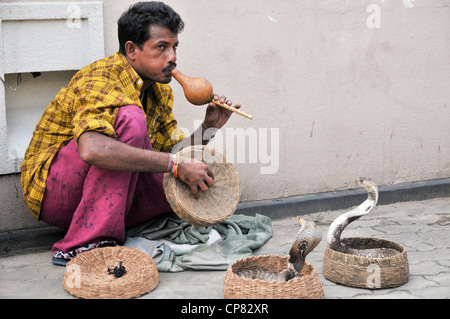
(176, 245)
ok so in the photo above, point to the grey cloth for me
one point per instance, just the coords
(161, 252)
(240, 236)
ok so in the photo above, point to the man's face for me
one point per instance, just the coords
(158, 56)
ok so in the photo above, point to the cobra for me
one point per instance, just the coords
(343, 220)
(308, 237)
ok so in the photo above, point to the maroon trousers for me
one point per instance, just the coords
(95, 204)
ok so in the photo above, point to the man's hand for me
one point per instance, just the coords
(217, 116)
(196, 174)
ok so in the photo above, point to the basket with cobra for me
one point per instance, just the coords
(364, 272)
(216, 204)
(305, 285)
(277, 277)
(111, 273)
(363, 262)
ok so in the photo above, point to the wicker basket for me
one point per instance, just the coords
(362, 272)
(307, 285)
(215, 205)
(87, 274)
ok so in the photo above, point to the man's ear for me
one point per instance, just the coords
(130, 49)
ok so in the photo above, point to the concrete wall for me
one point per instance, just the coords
(338, 89)
(45, 38)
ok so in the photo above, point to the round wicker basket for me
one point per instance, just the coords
(215, 205)
(306, 285)
(87, 274)
(362, 272)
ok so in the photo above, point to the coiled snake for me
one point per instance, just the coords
(308, 237)
(342, 221)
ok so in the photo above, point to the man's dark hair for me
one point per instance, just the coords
(134, 24)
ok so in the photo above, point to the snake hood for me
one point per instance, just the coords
(308, 237)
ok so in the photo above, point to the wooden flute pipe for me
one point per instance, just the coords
(199, 91)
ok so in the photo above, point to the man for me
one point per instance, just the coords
(96, 160)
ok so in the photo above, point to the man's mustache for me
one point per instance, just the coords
(170, 67)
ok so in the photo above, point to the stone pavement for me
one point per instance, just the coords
(422, 227)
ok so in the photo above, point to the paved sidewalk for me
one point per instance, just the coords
(423, 227)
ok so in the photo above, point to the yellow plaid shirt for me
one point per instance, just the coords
(90, 103)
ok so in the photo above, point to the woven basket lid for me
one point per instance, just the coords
(87, 275)
(215, 205)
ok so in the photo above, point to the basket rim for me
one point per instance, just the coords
(258, 280)
(400, 248)
(176, 199)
